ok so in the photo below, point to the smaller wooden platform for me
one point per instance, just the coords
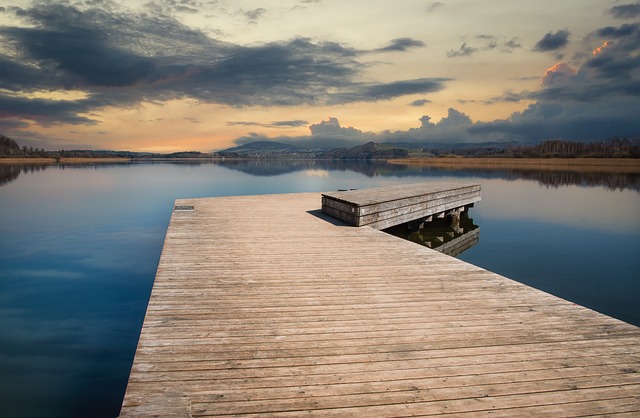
(384, 207)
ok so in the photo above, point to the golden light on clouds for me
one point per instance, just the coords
(58, 95)
(599, 49)
(560, 67)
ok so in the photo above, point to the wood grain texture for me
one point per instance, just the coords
(264, 306)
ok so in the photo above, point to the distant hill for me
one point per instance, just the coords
(262, 148)
(368, 151)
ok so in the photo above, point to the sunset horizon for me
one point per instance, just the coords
(169, 76)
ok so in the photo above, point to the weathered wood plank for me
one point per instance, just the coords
(262, 305)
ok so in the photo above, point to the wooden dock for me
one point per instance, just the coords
(384, 207)
(265, 306)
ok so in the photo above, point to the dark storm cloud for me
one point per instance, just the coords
(117, 57)
(625, 11)
(618, 32)
(401, 45)
(553, 41)
(45, 112)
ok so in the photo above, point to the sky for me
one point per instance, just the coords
(178, 75)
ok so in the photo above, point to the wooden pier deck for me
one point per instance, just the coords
(265, 306)
(383, 207)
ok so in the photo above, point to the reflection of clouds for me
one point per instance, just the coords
(133, 249)
(590, 208)
(317, 173)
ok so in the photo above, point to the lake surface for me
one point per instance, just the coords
(79, 246)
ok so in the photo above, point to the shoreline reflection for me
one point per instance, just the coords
(610, 178)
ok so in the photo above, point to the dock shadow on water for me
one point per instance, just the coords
(447, 234)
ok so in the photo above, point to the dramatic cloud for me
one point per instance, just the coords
(553, 41)
(121, 58)
(557, 74)
(626, 11)
(599, 99)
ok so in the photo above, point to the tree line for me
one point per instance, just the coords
(10, 148)
(611, 148)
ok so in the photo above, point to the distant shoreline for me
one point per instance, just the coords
(618, 165)
(62, 160)
(627, 165)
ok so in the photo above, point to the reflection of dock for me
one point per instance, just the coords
(307, 316)
(447, 234)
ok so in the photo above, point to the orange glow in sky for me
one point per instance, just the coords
(208, 75)
(599, 49)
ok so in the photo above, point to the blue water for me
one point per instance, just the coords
(79, 246)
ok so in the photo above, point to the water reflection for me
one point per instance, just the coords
(612, 178)
(279, 167)
(441, 234)
(609, 177)
(10, 172)
(79, 247)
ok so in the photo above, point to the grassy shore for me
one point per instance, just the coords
(62, 160)
(626, 165)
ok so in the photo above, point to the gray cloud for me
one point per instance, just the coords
(625, 11)
(553, 41)
(44, 112)
(489, 42)
(464, 51)
(513, 43)
(274, 124)
(401, 88)
(121, 58)
(401, 45)
(419, 102)
(289, 123)
(617, 32)
(434, 6)
(175, 6)
(254, 15)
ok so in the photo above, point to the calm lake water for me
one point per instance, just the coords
(79, 246)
